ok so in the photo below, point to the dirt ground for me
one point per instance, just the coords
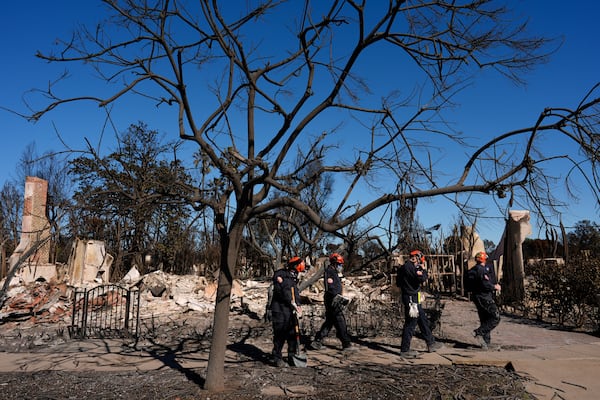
(255, 381)
(253, 377)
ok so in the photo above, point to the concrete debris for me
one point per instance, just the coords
(164, 294)
(89, 262)
(89, 265)
(133, 275)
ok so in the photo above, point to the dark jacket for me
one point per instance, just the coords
(334, 288)
(282, 292)
(485, 279)
(407, 279)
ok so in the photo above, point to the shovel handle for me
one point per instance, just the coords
(299, 358)
(296, 323)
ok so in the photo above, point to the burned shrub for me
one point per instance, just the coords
(567, 295)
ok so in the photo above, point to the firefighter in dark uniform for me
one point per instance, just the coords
(334, 311)
(286, 301)
(409, 278)
(484, 287)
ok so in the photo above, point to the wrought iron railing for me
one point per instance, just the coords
(106, 311)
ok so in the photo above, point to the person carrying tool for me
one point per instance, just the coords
(409, 278)
(285, 310)
(334, 305)
(483, 288)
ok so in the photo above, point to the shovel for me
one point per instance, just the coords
(298, 359)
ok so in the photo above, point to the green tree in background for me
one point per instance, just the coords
(584, 239)
(135, 200)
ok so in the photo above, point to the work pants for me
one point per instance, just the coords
(284, 330)
(489, 316)
(410, 324)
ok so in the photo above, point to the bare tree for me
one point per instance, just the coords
(50, 166)
(290, 232)
(11, 209)
(251, 85)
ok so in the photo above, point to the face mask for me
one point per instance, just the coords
(340, 268)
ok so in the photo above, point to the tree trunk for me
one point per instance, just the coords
(216, 361)
(3, 260)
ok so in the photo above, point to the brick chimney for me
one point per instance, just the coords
(35, 226)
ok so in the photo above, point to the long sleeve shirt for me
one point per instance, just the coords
(408, 280)
(485, 279)
(282, 291)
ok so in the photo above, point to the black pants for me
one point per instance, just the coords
(284, 330)
(410, 324)
(334, 318)
(489, 316)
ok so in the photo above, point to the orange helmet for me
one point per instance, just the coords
(335, 258)
(296, 263)
(418, 254)
(481, 256)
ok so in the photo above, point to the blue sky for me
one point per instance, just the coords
(491, 105)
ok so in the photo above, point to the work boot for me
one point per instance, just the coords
(349, 347)
(279, 363)
(316, 345)
(481, 341)
(409, 354)
(433, 347)
(494, 347)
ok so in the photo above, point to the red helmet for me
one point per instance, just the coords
(335, 258)
(296, 263)
(481, 256)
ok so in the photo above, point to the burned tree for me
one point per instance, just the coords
(129, 200)
(249, 86)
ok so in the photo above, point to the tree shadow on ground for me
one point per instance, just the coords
(168, 359)
(167, 356)
(250, 351)
(383, 347)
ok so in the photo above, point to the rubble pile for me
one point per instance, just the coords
(165, 298)
(37, 302)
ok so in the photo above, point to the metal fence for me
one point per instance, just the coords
(371, 318)
(106, 311)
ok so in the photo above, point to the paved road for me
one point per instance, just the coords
(560, 364)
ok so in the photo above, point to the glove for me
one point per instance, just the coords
(413, 310)
(297, 310)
